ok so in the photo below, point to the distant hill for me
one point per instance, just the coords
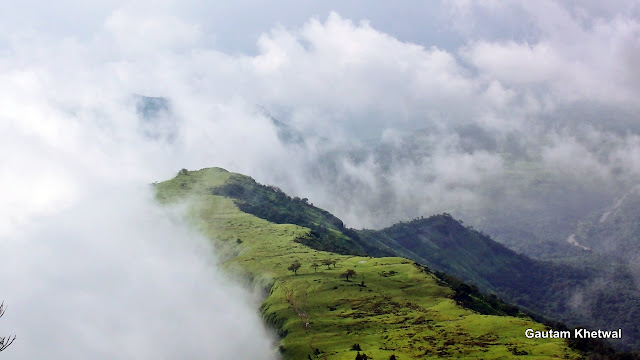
(599, 295)
(615, 229)
(443, 243)
(263, 233)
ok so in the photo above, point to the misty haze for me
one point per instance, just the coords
(186, 180)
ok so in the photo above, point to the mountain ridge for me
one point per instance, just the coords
(201, 185)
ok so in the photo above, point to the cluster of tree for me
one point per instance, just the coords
(295, 266)
(328, 233)
(328, 263)
(349, 273)
(470, 297)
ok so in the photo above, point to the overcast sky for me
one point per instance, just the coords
(560, 77)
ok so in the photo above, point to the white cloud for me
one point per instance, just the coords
(70, 129)
(336, 79)
(143, 32)
(576, 55)
(516, 64)
(115, 277)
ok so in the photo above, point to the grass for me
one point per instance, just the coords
(390, 307)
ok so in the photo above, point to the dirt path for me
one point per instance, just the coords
(572, 240)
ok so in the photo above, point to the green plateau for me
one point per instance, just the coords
(299, 256)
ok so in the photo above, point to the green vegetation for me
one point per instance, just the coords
(295, 266)
(542, 287)
(270, 203)
(400, 309)
(350, 273)
(443, 243)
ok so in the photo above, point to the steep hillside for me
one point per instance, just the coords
(388, 306)
(614, 230)
(600, 293)
(270, 203)
(534, 211)
(555, 290)
(443, 243)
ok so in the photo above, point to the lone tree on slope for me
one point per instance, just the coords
(349, 273)
(295, 266)
(327, 262)
(315, 266)
(5, 341)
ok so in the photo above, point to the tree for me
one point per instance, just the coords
(349, 273)
(294, 267)
(328, 262)
(5, 341)
(315, 266)
(333, 262)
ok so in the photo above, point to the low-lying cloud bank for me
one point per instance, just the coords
(114, 276)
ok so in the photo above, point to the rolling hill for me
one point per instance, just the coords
(297, 255)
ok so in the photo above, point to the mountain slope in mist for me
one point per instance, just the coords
(391, 306)
(555, 290)
(598, 294)
(614, 230)
(497, 184)
(444, 243)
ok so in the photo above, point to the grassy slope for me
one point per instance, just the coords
(400, 310)
(441, 242)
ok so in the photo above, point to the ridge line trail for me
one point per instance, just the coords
(618, 203)
(297, 304)
(572, 240)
